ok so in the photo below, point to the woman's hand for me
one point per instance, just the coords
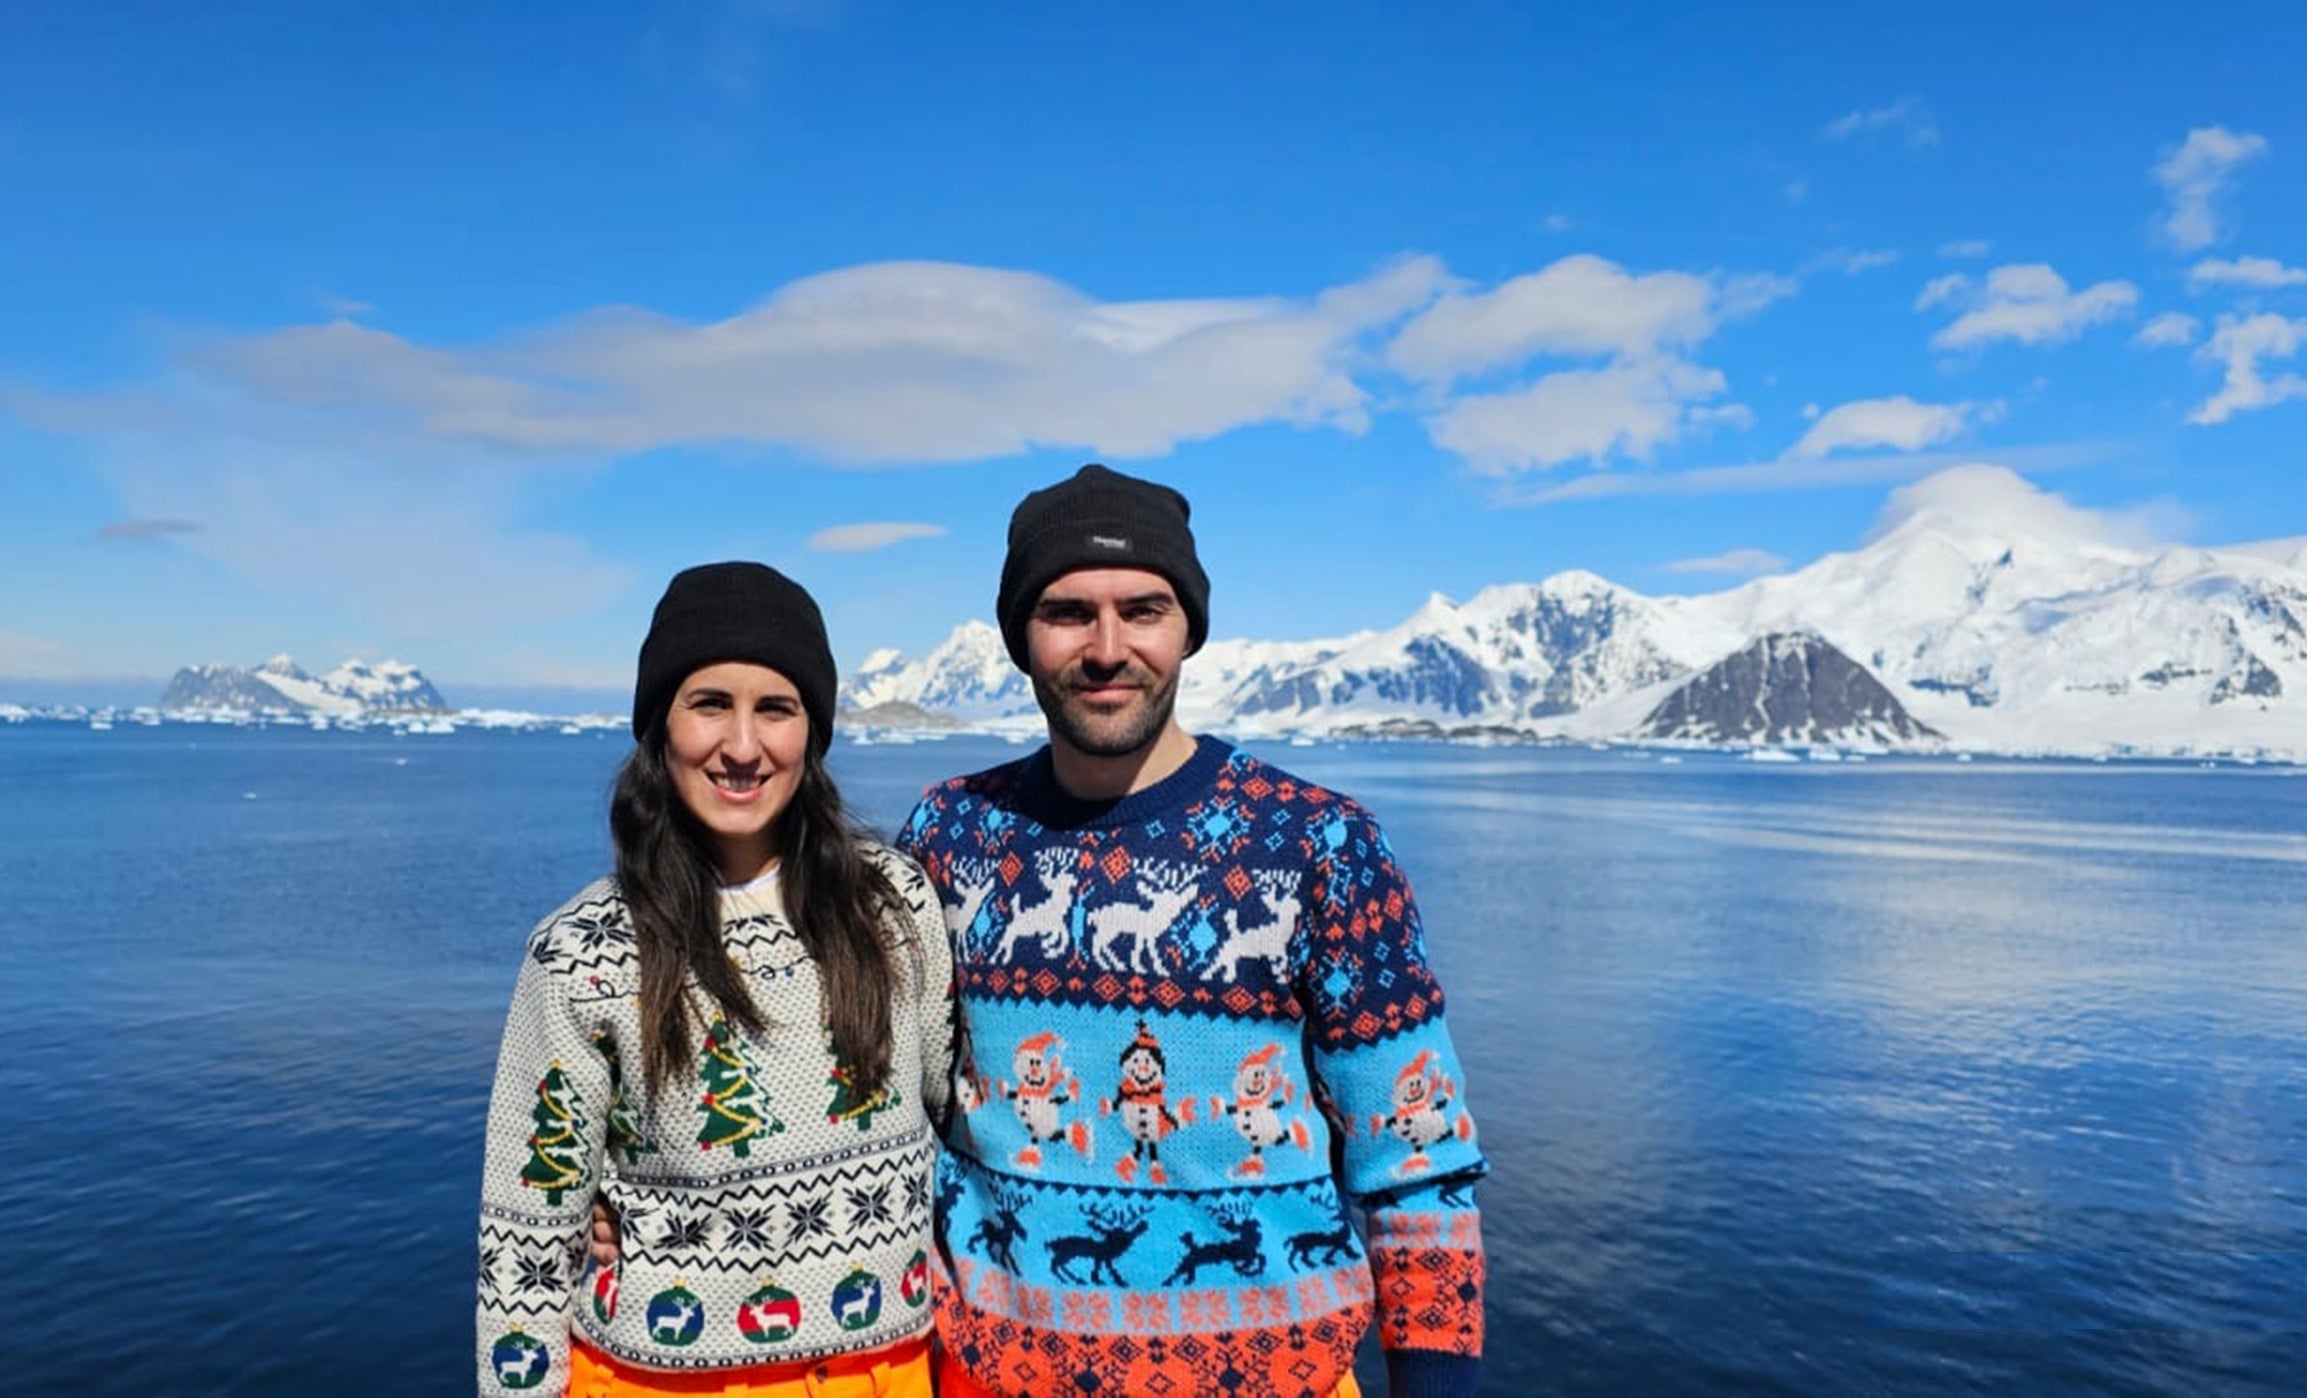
(604, 1243)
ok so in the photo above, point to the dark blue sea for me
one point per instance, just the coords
(1909, 1077)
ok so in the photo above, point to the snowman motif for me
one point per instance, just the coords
(1421, 1115)
(1041, 1088)
(1261, 1090)
(1142, 1102)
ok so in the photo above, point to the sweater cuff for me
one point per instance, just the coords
(1426, 1373)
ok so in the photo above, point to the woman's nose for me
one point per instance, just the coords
(742, 743)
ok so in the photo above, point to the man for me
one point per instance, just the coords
(1201, 1019)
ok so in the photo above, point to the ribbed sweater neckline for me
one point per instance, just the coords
(1041, 797)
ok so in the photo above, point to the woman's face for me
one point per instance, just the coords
(734, 743)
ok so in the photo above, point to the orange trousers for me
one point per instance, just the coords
(953, 1381)
(900, 1371)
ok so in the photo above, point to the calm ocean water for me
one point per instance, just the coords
(1903, 1077)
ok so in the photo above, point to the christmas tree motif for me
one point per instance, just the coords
(735, 1110)
(771, 1315)
(849, 1104)
(625, 1137)
(556, 1159)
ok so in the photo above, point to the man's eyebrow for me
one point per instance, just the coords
(1141, 599)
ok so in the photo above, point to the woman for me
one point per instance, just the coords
(740, 1041)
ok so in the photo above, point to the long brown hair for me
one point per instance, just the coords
(837, 900)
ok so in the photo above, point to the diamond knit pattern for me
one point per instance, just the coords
(1200, 1035)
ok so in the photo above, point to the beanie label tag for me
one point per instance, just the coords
(1112, 543)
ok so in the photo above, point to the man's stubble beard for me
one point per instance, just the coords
(1136, 734)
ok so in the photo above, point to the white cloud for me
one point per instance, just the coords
(2196, 175)
(1965, 248)
(1853, 263)
(2240, 343)
(1647, 394)
(2261, 273)
(1580, 305)
(910, 361)
(2166, 330)
(1556, 223)
(1793, 473)
(1907, 115)
(1983, 491)
(1744, 563)
(1869, 423)
(2028, 303)
(1942, 290)
(1632, 408)
(865, 538)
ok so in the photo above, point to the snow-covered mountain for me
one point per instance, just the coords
(1787, 687)
(1990, 612)
(968, 677)
(278, 685)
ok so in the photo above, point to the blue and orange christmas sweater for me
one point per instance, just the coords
(1198, 1028)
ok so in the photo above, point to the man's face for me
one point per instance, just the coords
(1105, 646)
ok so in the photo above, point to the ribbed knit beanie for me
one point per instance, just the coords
(736, 611)
(1098, 518)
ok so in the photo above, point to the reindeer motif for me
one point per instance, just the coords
(999, 1232)
(1169, 889)
(1243, 1248)
(522, 1368)
(668, 1325)
(1335, 1246)
(857, 1309)
(1115, 1229)
(1048, 922)
(1269, 941)
(973, 891)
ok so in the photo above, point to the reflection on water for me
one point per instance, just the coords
(1903, 1077)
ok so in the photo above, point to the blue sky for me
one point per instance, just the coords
(448, 332)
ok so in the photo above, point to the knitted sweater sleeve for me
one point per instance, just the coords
(548, 1126)
(935, 1012)
(1389, 1079)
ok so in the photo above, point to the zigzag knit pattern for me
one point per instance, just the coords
(1199, 1026)
(768, 1212)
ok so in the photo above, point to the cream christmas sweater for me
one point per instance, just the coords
(769, 1212)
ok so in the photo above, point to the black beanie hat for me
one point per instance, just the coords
(736, 611)
(1098, 518)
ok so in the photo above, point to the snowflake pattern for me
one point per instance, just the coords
(869, 1205)
(811, 1219)
(537, 1274)
(596, 930)
(750, 1228)
(686, 1231)
(489, 1259)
